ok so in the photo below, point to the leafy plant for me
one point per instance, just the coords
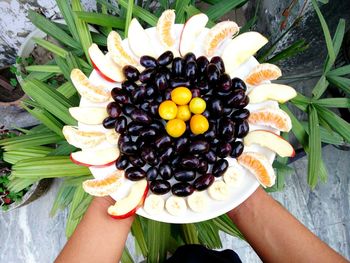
(42, 152)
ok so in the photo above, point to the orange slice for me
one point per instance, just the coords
(271, 117)
(262, 73)
(104, 186)
(218, 34)
(117, 52)
(165, 28)
(259, 166)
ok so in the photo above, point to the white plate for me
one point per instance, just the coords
(215, 208)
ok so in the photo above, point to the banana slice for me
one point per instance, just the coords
(198, 202)
(82, 139)
(154, 204)
(218, 191)
(176, 206)
(233, 175)
(112, 137)
(86, 89)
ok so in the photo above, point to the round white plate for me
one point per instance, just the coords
(238, 193)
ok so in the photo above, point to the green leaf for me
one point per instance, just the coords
(83, 30)
(126, 257)
(337, 123)
(333, 102)
(252, 21)
(51, 47)
(224, 6)
(138, 233)
(326, 33)
(301, 101)
(128, 16)
(314, 147)
(340, 82)
(18, 184)
(141, 13)
(337, 42)
(327, 136)
(225, 224)
(25, 153)
(345, 70)
(101, 19)
(109, 6)
(44, 68)
(291, 51)
(46, 118)
(67, 13)
(63, 198)
(51, 100)
(180, 6)
(152, 238)
(208, 234)
(63, 149)
(51, 29)
(320, 87)
(190, 234)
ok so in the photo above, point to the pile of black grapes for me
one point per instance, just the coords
(147, 151)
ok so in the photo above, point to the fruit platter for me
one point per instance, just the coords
(179, 123)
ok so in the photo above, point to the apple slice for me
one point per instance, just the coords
(104, 65)
(82, 139)
(139, 41)
(88, 90)
(127, 206)
(241, 48)
(89, 115)
(277, 92)
(98, 158)
(192, 28)
(270, 140)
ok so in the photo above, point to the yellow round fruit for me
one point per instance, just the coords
(183, 113)
(199, 124)
(175, 128)
(197, 105)
(181, 95)
(167, 110)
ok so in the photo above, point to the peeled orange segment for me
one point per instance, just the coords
(86, 89)
(241, 48)
(104, 186)
(165, 28)
(259, 166)
(263, 72)
(271, 141)
(104, 65)
(191, 30)
(139, 42)
(117, 52)
(271, 117)
(82, 139)
(276, 92)
(218, 34)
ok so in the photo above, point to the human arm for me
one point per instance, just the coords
(276, 235)
(98, 237)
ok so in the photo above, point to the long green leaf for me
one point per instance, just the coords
(83, 30)
(128, 16)
(30, 140)
(101, 19)
(224, 6)
(63, 149)
(290, 51)
(190, 234)
(340, 82)
(153, 240)
(326, 33)
(25, 153)
(180, 6)
(138, 233)
(320, 87)
(327, 136)
(338, 124)
(345, 70)
(51, 47)
(126, 257)
(67, 89)
(18, 184)
(51, 100)
(141, 13)
(66, 11)
(208, 234)
(51, 29)
(334, 102)
(225, 224)
(63, 198)
(44, 68)
(314, 147)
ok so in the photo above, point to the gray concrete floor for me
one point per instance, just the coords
(30, 235)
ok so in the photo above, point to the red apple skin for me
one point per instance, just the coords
(133, 211)
(89, 165)
(100, 73)
(293, 153)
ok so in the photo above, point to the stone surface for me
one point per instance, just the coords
(30, 235)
